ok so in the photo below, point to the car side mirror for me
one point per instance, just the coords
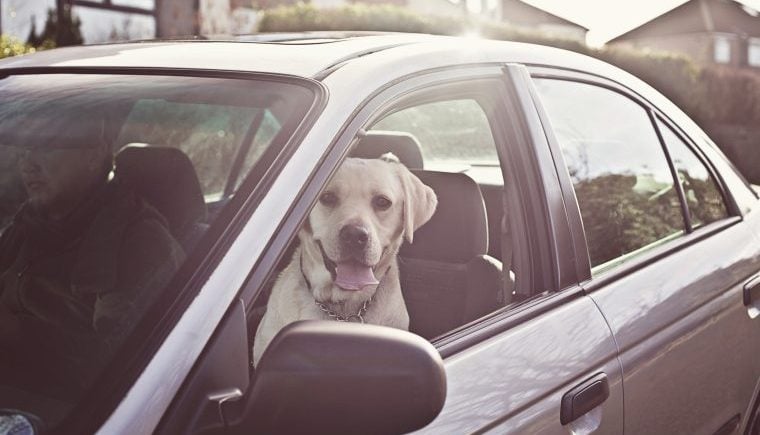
(334, 377)
(17, 422)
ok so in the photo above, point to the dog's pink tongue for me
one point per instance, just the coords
(354, 276)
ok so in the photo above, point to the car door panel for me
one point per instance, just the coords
(514, 382)
(682, 328)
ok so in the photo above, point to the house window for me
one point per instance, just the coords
(722, 50)
(753, 52)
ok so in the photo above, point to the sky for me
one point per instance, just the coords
(606, 19)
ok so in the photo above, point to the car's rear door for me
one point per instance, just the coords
(513, 371)
(669, 259)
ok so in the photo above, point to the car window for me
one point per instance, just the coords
(212, 136)
(433, 254)
(622, 180)
(105, 187)
(453, 131)
(703, 197)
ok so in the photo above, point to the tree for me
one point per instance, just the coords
(33, 39)
(61, 28)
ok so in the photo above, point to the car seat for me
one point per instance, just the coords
(166, 179)
(403, 145)
(447, 277)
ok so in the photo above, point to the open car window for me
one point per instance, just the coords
(108, 184)
(435, 255)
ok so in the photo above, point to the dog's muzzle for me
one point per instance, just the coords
(353, 240)
(351, 271)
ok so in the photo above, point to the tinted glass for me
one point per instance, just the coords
(107, 185)
(622, 180)
(702, 195)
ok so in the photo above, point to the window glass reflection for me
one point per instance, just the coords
(623, 183)
(702, 195)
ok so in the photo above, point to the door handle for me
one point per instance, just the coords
(752, 291)
(584, 397)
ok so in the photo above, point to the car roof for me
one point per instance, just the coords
(292, 54)
(310, 54)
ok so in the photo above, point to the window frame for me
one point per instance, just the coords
(722, 49)
(753, 51)
(616, 269)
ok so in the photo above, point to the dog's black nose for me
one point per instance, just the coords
(354, 236)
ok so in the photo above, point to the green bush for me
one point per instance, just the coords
(13, 47)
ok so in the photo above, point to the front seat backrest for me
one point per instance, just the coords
(166, 179)
(447, 278)
(403, 145)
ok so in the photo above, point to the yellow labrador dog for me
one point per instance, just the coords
(345, 267)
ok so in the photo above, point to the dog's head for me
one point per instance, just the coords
(361, 219)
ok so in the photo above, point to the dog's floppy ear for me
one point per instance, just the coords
(419, 201)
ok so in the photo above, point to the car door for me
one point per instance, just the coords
(671, 253)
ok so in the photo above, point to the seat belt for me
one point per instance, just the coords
(508, 277)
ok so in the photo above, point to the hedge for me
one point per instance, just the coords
(13, 47)
(360, 17)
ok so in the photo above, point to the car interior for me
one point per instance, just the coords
(166, 179)
(447, 281)
(450, 281)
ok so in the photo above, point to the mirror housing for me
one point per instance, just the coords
(335, 377)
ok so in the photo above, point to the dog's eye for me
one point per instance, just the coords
(328, 199)
(381, 203)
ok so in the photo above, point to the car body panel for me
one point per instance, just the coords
(687, 343)
(513, 383)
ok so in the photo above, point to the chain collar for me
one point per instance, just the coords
(358, 317)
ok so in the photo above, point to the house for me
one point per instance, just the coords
(526, 17)
(710, 31)
(181, 18)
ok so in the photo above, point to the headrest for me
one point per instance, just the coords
(458, 231)
(402, 145)
(166, 179)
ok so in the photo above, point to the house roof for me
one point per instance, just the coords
(526, 13)
(701, 16)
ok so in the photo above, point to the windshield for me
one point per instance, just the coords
(107, 185)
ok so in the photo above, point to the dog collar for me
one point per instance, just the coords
(359, 316)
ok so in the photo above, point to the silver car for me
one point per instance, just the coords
(593, 265)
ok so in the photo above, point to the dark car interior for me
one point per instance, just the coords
(165, 178)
